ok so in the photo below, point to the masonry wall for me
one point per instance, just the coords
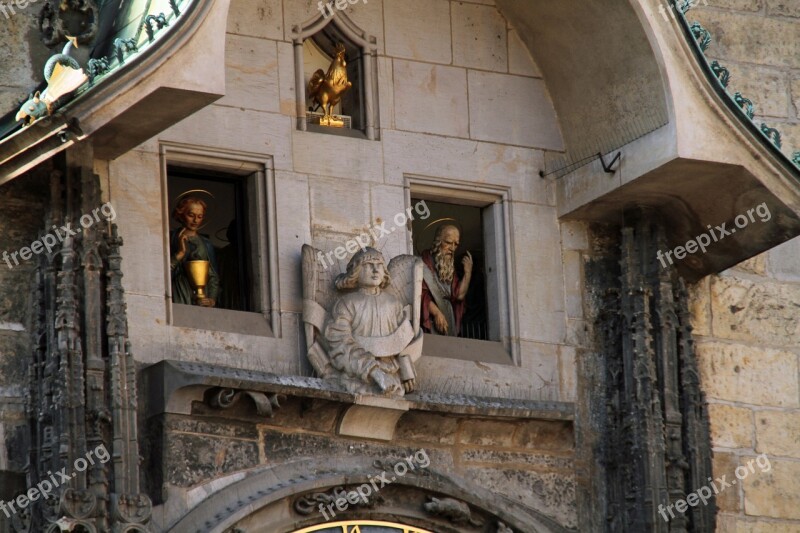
(459, 100)
(746, 319)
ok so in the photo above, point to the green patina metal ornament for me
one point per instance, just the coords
(722, 73)
(796, 158)
(772, 134)
(745, 104)
(702, 35)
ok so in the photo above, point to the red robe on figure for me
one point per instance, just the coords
(459, 306)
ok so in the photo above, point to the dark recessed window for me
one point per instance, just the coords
(210, 210)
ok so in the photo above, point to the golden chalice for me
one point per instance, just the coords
(197, 271)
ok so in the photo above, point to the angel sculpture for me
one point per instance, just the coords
(368, 336)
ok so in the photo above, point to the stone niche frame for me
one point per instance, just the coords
(368, 44)
(258, 172)
(495, 200)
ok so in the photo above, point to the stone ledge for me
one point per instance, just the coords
(170, 387)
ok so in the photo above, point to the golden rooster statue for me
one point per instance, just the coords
(327, 89)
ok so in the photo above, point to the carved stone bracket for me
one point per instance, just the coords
(225, 398)
(310, 503)
(457, 512)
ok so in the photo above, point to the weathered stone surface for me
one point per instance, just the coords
(731, 524)
(194, 458)
(758, 312)
(550, 493)
(741, 5)
(479, 37)
(216, 427)
(796, 96)
(749, 375)
(767, 87)
(787, 8)
(487, 432)
(249, 83)
(431, 98)
(724, 464)
(257, 18)
(525, 460)
(778, 433)
(498, 100)
(519, 59)
(783, 264)
(731, 427)
(739, 36)
(426, 428)
(700, 306)
(410, 36)
(774, 493)
(545, 435)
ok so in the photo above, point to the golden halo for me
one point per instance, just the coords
(453, 222)
(187, 193)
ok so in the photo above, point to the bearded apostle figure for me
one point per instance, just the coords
(443, 292)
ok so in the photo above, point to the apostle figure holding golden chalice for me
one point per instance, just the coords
(193, 263)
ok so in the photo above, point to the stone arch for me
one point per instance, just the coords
(606, 49)
(268, 496)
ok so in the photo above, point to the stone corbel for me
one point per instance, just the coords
(225, 398)
(372, 417)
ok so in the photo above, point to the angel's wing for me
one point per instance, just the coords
(318, 295)
(406, 274)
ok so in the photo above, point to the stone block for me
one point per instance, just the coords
(256, 18)
(728, 498)
(512, 110)
(418, 427)
(479, 37)
(778, 433)
(758, 376)
(431, 98)
(740, 35)
(191, 459)
(574, 236)
(238, 130)
(386, 93)
(288, 97)
(767, 87)
(785, 8)
(293, 219)
(340, 205)
(550, 493)
(754, 265)
(573, 281)
(520, 60)
(796, 96)
(251, 74)
(773, 493)
(487, 433)
(465, 160)
(568, 374)
(731, 427)
(540, 278)
(764, 313)
(740, 5)
(410, 36)
(545, 435)
(537, 461)
(783, 264)
(700, 306)
(337, 157)
(388, 205)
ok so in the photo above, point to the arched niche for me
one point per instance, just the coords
(362, 56)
